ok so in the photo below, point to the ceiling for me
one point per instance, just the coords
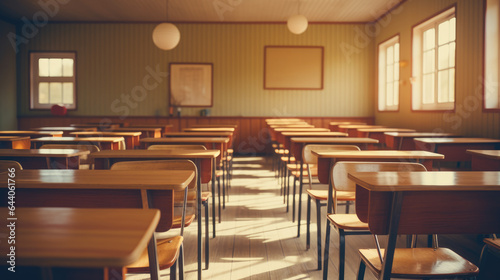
(194, 10)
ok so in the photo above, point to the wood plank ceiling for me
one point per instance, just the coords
(195, 10)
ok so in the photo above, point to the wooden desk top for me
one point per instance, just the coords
(456, 140)
(288, 125)
(42, 153)
(64, 128)
(88, 125)
(347, 140)
(358, 126)
(419, 134)
(313, 133)
(176, 180)
(14, 138)
(186, 140)
(105, 133)
(379, 154)
(428, 181)
(299, 129)
(347, 123)
(151, 125)
(385, 129)
(134, 129)
(70, 237)
(491, 154)
(197, 134)
(77, 139)
(209, 129)
(156, 154)
(30, 133)
(215, 125)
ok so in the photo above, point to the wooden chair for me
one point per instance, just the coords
(6, 164)
(85, 163)
(179, 197)
(349, 224)
(489, 260)
(321, 195)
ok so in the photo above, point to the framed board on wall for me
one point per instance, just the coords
(191, 84)
(293, 67)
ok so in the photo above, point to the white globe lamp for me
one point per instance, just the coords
(166, 36)
(297, 24)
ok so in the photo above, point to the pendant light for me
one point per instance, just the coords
(297, 24)
(166, 35)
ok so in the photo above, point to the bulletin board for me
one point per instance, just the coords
(293, 67)
(191, 84)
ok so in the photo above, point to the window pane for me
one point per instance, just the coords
(55, 93)
(55, 67)
(390, 94)
(390, 55)
(451, 80)
(43, 93)
(67, 67)
(429, 64)
(443, 57)
(389, 74)
(43, 67)
(429, 39)
(396, 52)
(452, 54)
(428, 89)
(443, 86)
(67, 93)
(396, 93)
(396, 72)
(452, 29)
(443, 32)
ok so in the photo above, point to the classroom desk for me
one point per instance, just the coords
(298, 144)
(454, 149)
(404, 140)
(285, 137)
(351, 129)
(91, 242)
(327, 159)
(205, 162)
(378, 133)
(45, 158)
(164, 127)
(154, 132)
(65, 129)
(454, 202)
(80, 188)
(235, 126)
(208, 129)
(485, 160)
(334, 126)
(201, 134)
(104, 143)
(97, 126)
(131, 138)
(15, 142)
(31, 134)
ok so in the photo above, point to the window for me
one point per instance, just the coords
(52, 80)
(433, 81)
(491, 55)
(388, 75)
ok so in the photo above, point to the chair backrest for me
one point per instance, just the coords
(342, 168)
(5, 164)
(163, 165)
(83, 159)
(180, 147)
(309, 158)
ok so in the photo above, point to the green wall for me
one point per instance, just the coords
(114, 60)
(8, 112)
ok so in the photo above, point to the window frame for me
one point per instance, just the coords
(34, 56)
(489, 89)
(381, 77)
(417, 63)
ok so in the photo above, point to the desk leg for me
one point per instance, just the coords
(213, 198)
(198, 214)
(397, 203)
(300, 197)
(154, 268)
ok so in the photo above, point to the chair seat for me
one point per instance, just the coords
(168, 251)
(281, 151)
(296, 167)
(286, 159)
(177, 221)
(347, 222)
(421, 263)
(314, 173)
(493, 242)
(205, 196)
(323, 195)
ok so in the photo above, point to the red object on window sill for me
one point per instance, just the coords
(58, 110)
